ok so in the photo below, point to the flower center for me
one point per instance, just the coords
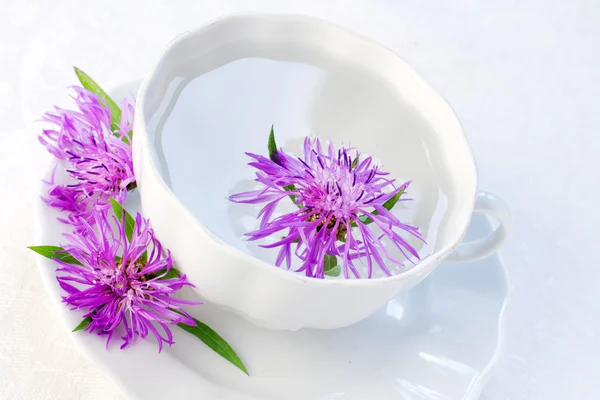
(122, 283)
(341, 229)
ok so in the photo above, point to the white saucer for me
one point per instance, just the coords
(439, 341)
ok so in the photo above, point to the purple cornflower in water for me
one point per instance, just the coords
(97, 157)
(336, 194)
(121, 281)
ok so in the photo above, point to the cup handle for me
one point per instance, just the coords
(477, 249)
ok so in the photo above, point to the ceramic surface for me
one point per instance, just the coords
(213, 95)
(436, 341)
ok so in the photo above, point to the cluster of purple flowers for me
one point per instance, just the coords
(122, 281)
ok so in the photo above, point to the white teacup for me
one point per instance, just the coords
(214, 94)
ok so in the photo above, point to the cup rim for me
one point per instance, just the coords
(141, 130)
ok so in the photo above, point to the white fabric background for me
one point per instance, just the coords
(523, 76)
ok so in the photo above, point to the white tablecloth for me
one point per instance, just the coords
(523, 76)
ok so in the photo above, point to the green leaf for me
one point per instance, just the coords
(129, 221)
(335, 271)
(55, 252)
(272, 146)
(330, 267)
(89, 84)
(366, 220)
(215, 342)
(287, 189)
(355, 162)
(83, 324)
(388, 205)
(173, 273)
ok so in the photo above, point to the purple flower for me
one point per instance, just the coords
(98, 158)
(336, 196)
(122, 282)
